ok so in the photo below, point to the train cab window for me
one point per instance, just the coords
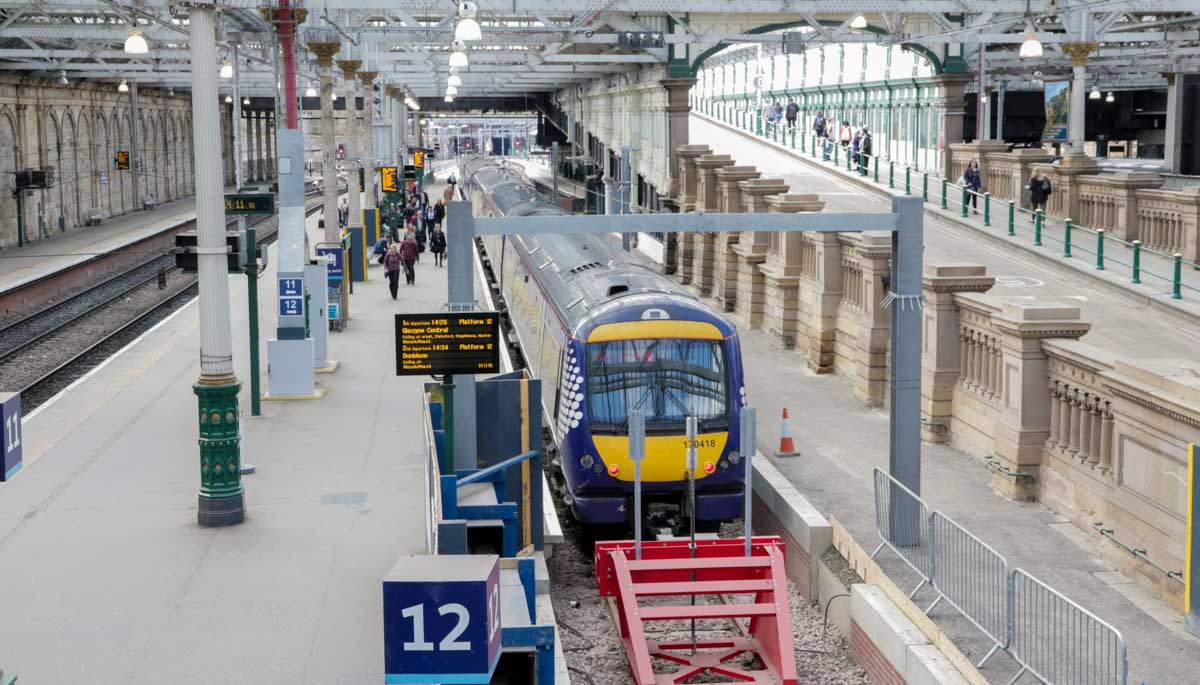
(669, 379)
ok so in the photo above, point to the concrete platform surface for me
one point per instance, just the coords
(1122, 322)
(105, 574)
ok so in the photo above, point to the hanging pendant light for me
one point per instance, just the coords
(467, 29)
(859, 22)
(311, 92)
(136, 44)
(1110, 97)
(226, 70)
(451, 90)
(1095, 94)
(245, 102)
(458, 58)
(453, 70)
(124, 87)
(62, 77)
(454, 80)
(448, 98)
(1032, 47)
(228, 99)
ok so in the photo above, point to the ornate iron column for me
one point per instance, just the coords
(325, 50)
(349, 69)
(221, 500)
(368, 140)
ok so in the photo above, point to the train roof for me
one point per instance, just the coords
(581, 274)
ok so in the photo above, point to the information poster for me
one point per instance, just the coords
(1058, 105)
(459, 343)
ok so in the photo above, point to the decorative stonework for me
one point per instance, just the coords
(725, 273)
(1078, 52)
(349, 67)
(367, 77)
(324, 51)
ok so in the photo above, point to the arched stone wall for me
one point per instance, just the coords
(103, 156)
(51, 199)
(8, 160)
(68, 176)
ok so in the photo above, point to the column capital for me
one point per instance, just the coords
(324, 50)
(1078, 52)
(1170, 77)
(392, 91)
(280, 16)
(367, 77)
(349, 67)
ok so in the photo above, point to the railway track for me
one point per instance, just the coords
(43, 352)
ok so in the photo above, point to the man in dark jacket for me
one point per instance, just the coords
(864, 150)
(1039, 191)
(437, 245)
(792, 110)
(819, 125)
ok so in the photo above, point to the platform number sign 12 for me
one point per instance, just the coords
(441, 619)
(10, 434)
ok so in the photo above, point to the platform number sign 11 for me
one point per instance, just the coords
(10, 434)
(441, 619)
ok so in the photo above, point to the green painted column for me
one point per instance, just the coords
(221, 501)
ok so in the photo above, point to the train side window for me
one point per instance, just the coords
(562, 359)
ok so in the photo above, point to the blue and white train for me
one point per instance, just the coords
(607, 334)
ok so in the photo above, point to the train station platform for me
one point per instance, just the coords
(106, 575)
(1124, 321)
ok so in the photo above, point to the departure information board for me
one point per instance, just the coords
(459, 343)
(250, 203)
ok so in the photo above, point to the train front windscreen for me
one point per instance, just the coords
(669, 379)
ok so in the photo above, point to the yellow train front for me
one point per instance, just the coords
(606, 334)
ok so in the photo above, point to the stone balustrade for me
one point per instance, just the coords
(1169, 220)
(1008, 173)
(1099, 439)
(1107, 201)
(962, 154)
(689, 199)
(751, 250)
(700, 246)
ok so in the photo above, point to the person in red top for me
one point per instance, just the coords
(408, 254)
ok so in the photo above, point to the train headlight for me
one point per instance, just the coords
(586, 461)
(735, 457)
(724, 464)
(598, 468)
(614, 470)
(709, 467)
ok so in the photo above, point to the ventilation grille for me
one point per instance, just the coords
(585, 267)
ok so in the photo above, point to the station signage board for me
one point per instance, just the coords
(418, 158)
(10, 434)
(445, 343)
(249, 203)
(122, 160)
(291, 297)
(334, 257)
(388, 180)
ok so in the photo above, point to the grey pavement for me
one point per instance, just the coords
(1122, 322)
(104, 574)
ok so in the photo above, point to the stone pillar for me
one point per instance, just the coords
(249, 123)
(271, 154)
(941, 361)
(782, 269)
(1173, 150)
(1078, 52)
(950, 110)
(871, 345)
(349, 69)
(221, 501)
(678, 111)
(702, 244)
(688, 174)
(368, 141)
(724, 261)
(1023, 425)
(750, 250)
(325, 50)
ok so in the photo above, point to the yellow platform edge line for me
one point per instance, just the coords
(331, 365)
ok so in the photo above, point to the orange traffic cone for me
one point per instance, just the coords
(787, 448)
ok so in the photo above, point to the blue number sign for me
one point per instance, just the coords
(10, 434)
(291, 306)
(441, 619)
(291, 287)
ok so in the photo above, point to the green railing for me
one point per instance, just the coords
(1041, 229)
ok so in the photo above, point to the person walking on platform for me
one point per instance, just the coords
(1039, 191)
(819, 125)
(864, 148)
(391, 266)
(439, 213)
(792, 110)
(408, 255)
(381, 247)
(437, 245)
(448, 193)
(974, 182)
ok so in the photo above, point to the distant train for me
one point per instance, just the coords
(606, 334)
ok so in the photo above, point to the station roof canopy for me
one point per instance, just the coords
(528, 47)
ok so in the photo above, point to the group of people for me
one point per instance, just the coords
(776, 113)
(857, 142)
(409, 228)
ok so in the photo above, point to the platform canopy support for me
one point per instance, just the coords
(325, 50)
(221, 500)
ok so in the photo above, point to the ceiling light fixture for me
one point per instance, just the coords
(245, 102)
(449, 98)
(451, 90)
(1032, 47)
(458, 58)
(1110, 97)
(453, 70)
(124, 87)
(135, 44)
(311, 92)
(859, 22)
(454, 80)
(1095, 94)
(228, 98)
(467, 29)
(62, 77)
(226, 70)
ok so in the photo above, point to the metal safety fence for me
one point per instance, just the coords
(1049, 636)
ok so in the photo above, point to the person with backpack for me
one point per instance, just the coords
(819, 125)
(437, 245)
(391, 266)
(408, 256)
(974, 182)
(1039, 191)
(792, 110)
